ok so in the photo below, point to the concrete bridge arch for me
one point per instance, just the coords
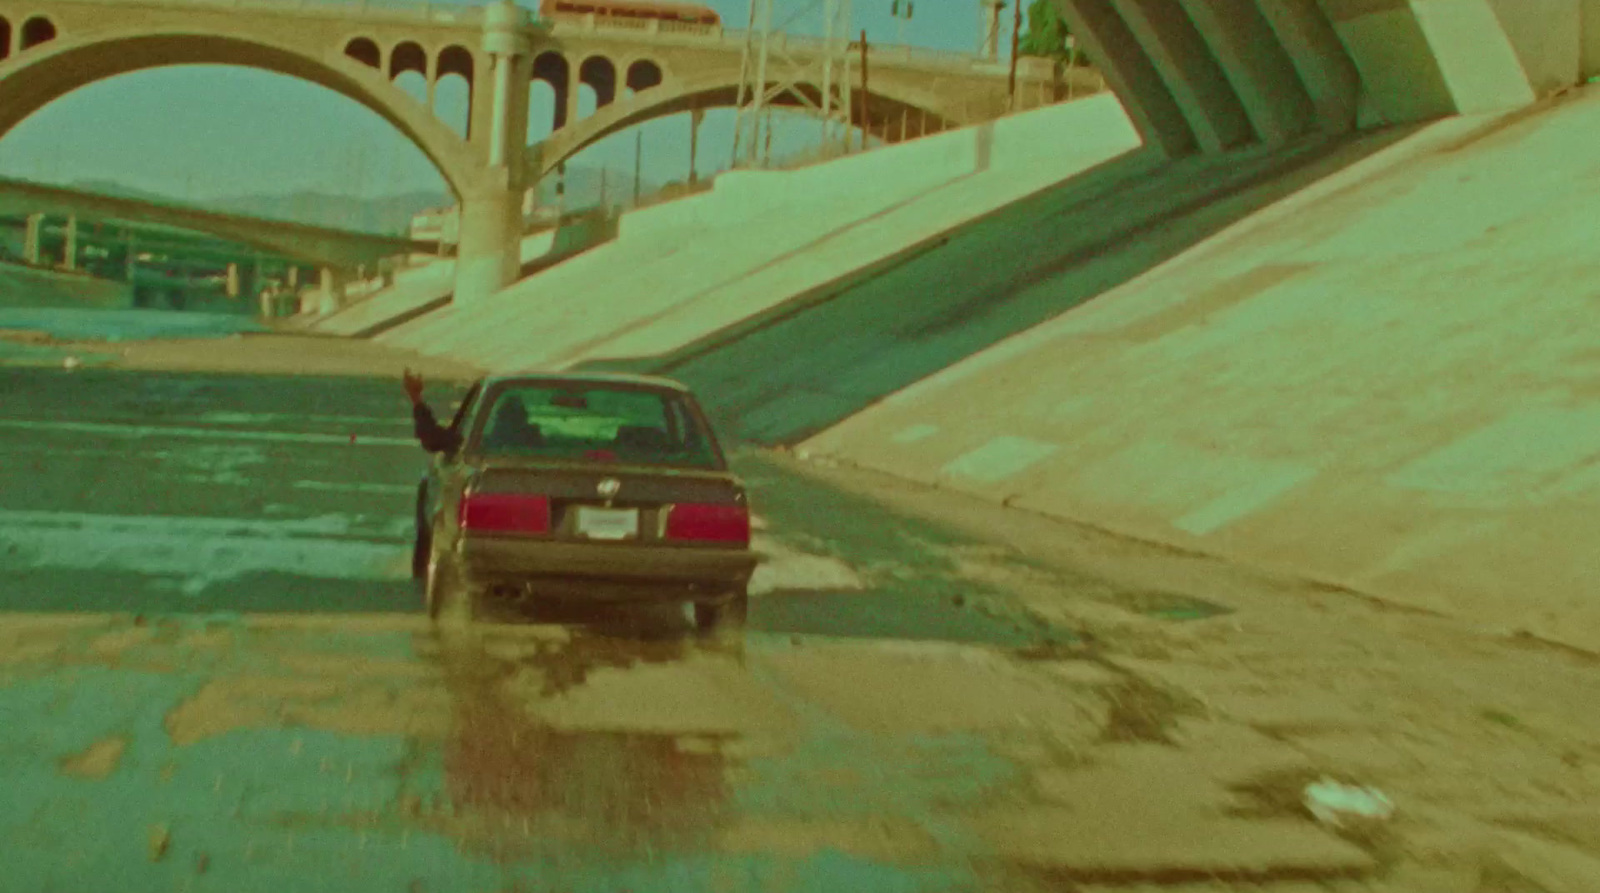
(923, 112)
(32, 78)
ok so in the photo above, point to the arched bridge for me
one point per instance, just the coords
(639, 69)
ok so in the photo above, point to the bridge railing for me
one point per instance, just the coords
(408, 10)
(913, 55)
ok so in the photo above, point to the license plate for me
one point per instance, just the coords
(608, 524)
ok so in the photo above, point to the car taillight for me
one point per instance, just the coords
(715, 522)
(505, 513)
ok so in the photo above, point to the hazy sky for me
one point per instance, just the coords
(201, 131)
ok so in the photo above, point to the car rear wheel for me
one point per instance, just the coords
(422, 543)
(421, 549)
(731, 614)
(452, 600)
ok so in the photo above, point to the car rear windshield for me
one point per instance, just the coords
(596, 423)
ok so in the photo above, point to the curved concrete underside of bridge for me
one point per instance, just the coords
(1208, 76)
(895, 112)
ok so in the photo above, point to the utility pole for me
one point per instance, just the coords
(766, 138)
(638, 163)
(865, 120)
(1072, 63)
(749, 91)
(1016, 31)
(836, 21)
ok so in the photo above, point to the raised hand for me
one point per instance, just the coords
(413, 385)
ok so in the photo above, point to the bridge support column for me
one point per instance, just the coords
(1111, 45)
(1256, 65)
(696, 116)
(1327, 72)
(69, 250)
(253, 277)
(31, 237)
(488, 254)
(1191, 73)
(489, 228)
(232, 287)
(130, 258)
(330, 293)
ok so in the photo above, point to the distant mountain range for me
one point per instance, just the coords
(389, 214)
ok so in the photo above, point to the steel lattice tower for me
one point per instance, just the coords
(816, 75)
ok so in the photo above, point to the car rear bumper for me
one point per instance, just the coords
(607, 570)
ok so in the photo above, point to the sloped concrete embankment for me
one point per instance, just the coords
(1386, 383)
(413, 293)
(681, 270)
(783, 378)
(412, 297)
(22, 286)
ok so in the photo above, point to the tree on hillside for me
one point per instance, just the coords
(1046, 34)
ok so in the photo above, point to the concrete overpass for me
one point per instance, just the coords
(359, 49)
(1211, 76)
(149, 255)
(313, 245)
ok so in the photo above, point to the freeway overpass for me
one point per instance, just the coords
(312, 245)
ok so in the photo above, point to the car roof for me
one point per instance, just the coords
(628, 378)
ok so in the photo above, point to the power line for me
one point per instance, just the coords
(769, 71)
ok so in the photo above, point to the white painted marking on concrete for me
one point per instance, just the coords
(356, 526)
(339, 487)
(147, 431)
(1072, 406)
(999, 459)
(1242, 501)
(915, 433)
(272, 418)
(1520, 451)
(202, 551)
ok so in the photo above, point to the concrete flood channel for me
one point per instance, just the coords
(916, 592)
(844, 743)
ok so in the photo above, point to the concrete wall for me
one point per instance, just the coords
(22, 286)
(1589, 38)
(848, 188)
(1547, 36)
(1212, 75)
(581, 234)
(732, 256)
(1384, 382)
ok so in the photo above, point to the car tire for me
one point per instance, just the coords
(422, 543)
(421, 550)
(451, 599)
(732, 614)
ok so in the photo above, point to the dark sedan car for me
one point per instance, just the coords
(583, 486)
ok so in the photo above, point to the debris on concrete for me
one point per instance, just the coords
(1335, 804)
(160, 842)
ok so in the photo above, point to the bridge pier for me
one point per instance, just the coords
(488, 253)
(69, 248)
(489, 230)
(130, 258)
(330, 290)
(30, 238)
(696, 116)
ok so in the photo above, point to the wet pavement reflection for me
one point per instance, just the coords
(214, 667)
